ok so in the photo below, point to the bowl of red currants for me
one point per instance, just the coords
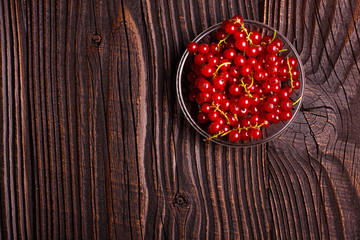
(240, 83)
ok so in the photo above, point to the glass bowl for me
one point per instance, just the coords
(190, 109)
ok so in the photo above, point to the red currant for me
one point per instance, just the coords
(229, 53)
(245, 70)
(207, 70)
(286, 105)
(234, 136)
(206, 107)
(192, 47)
(202, 118)
(293, 62)
(234, 90)
(203, 48)
(213, 115)
(255, 133)
(239, 60)
(242, 44)
(200, 59)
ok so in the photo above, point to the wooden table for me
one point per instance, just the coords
(94, 144)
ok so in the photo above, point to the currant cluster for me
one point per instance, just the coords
(240, 81)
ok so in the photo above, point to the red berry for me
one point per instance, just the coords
(273, 99)
(251, 61)
(254, 119)
(264, 123)
(234, 108)
(234, 71)
(234, 136)
(207, 70)
(245, 135)
(276, 119)
(283, 71)
(216, 127)
(226, 128)
(234, 90)
(217, 98)
(238, 19)
(214, 48)
(225, 104)
(200, 59)
(272, 48)
(226, 66)
(255, 37)
(266, 87)
(271, 117)
(233, 80)
(293, 62)
(239, 60)
(278, 43)
(286, 115)
(203, 85)
(271, 58)
(203, 48)
(232, 119)
(255, 100)
(244, 102)
(212, 90)
(274, 80)
(269, 107)
(266, 39)
(245, 70)
(230, 27)
(229, 53)
(192, 47)
(261, 49)
(251, 51)
(220, 35)
(212, 60)
(255, 133)
(283, 94)
(296, 84)
(242, 44)
(259, 76)
(273, 70)
(275, 88)
(295, 73)
(213, 115)
(286, 105)
(206, 107)
(202, 118)
(243, 111)
(203, 97)
(245, 122)
(230, 43)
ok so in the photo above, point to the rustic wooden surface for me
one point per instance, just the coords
(94, 144)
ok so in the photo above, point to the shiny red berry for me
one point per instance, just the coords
(255, 133)
(192, 47)
(245, 70)
(207, 70)
(234, 136)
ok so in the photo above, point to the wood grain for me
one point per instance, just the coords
(95, 146)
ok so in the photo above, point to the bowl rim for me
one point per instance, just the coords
(251, 142)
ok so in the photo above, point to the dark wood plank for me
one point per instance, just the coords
(317, 175)
(94, 144)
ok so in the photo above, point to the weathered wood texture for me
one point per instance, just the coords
(94, 144)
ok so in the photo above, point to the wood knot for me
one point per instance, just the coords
(181, 200)
(96, 39)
